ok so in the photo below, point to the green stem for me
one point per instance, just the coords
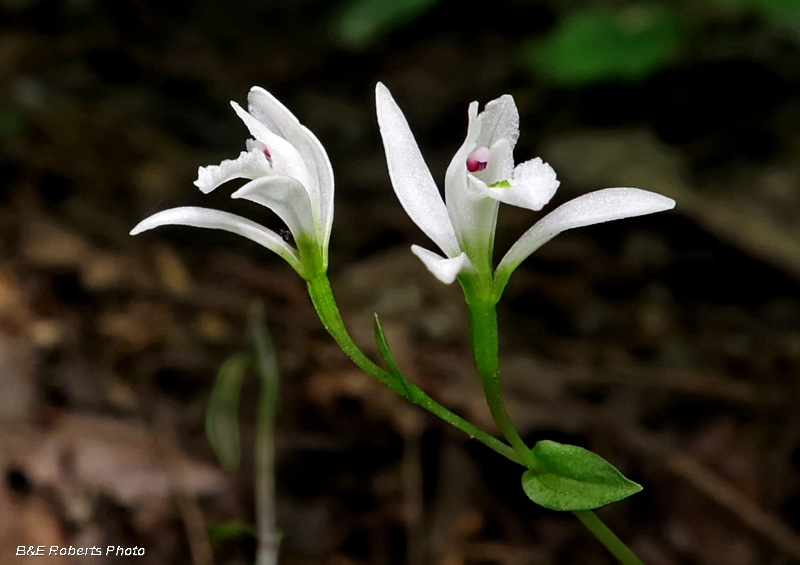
(483, 330)
(485, 349)
(321, 293)
(483, 334)
(608, 538)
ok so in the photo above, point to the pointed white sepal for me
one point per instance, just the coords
(215, 219)
(446, 270)
(411, 178)
(593, 208)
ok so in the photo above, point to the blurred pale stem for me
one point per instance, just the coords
(269, 377)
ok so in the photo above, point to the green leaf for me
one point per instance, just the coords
(594, 44)
(360, 23)
(222, 414)
(500, 184)
(573, 478)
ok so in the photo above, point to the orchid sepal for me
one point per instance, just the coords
(198, 217)
(593, 208)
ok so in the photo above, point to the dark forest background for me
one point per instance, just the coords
(669, 344)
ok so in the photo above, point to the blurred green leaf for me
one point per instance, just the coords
(230, 531)
(573, 478)
(222, 414)
(360, 23)
(595, 44)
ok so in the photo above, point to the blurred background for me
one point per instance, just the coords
(669, 344)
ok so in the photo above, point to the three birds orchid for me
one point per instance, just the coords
(288, 171)
(480, 176)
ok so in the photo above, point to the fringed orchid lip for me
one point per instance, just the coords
(481, 175)
(287, 170)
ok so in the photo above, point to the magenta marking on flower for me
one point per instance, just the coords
(478, 159)
(267, 153)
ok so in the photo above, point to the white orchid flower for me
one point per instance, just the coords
(480, 176)
(288, 171)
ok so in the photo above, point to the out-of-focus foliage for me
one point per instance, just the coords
(597, 44)
(222, 415)
(784, 12)
(13, 122)
(359, 23)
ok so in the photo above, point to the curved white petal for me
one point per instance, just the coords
(593, 208)
(411, 178)
(216, 219)
(286, 160)
(443, 269)
(500, 120)
(267, 109)
(460, 199)
(287, 198)
(248, 165)
(533, 184)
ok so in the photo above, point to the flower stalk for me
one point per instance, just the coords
(324, 302)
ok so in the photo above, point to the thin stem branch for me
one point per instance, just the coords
(321, 294)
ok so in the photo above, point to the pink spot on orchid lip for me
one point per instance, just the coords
(267, 153)
(478, 159)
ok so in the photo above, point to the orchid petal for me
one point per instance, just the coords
(215, 219)
(533, 184)
(593, 208)
(286, 160)
(501, 163)
(248, 165)
(267, 109)
(460, 199)
(500, 120)
(286, 197)
(446, 270)
(411, 178)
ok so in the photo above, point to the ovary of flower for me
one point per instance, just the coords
(288, 171)
(480, 176)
